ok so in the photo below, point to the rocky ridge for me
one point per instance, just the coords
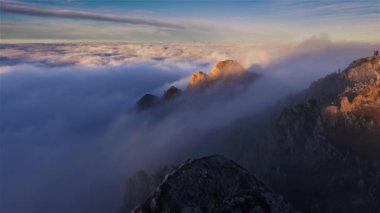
(227, 73)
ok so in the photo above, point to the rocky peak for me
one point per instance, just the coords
(222, 70)
(197, 79)
(171, 92)
(146, 102)
(212, 184)
(227, 68)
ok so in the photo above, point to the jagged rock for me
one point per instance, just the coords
(146, 102)
(197, 79)
(171, 93)
(212, 184)
(226, 69)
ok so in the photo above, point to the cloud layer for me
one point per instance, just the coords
(68, 139)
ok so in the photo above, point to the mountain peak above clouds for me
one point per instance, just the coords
(198, 78)
(225, 74)
(223, 71)
(171, 92)
(227, 68)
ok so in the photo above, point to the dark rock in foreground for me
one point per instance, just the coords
(212, 184)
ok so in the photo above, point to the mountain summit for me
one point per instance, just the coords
(197, 79)
(226, 69)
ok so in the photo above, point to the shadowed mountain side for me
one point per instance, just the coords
(172, 92)
(149, 101)
(323, 153)
(212, 184)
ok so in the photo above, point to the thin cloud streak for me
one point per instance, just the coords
(35, 11)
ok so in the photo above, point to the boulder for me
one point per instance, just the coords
(212, 184)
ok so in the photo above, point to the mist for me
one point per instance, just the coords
(69, 138)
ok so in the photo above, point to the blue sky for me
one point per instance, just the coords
(188, 20)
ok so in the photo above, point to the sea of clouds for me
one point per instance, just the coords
(68, 138)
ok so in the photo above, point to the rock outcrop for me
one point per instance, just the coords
(212, 184)
(198, 79)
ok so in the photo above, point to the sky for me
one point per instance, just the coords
(188, 20)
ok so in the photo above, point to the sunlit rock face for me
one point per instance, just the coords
(227, 75)
(227, 69)
(224, 73)
(198, 79)
(212, 184)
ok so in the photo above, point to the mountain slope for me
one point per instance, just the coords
(323, 153)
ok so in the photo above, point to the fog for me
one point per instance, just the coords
(69, 138)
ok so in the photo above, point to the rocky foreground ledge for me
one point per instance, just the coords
(212, 184)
